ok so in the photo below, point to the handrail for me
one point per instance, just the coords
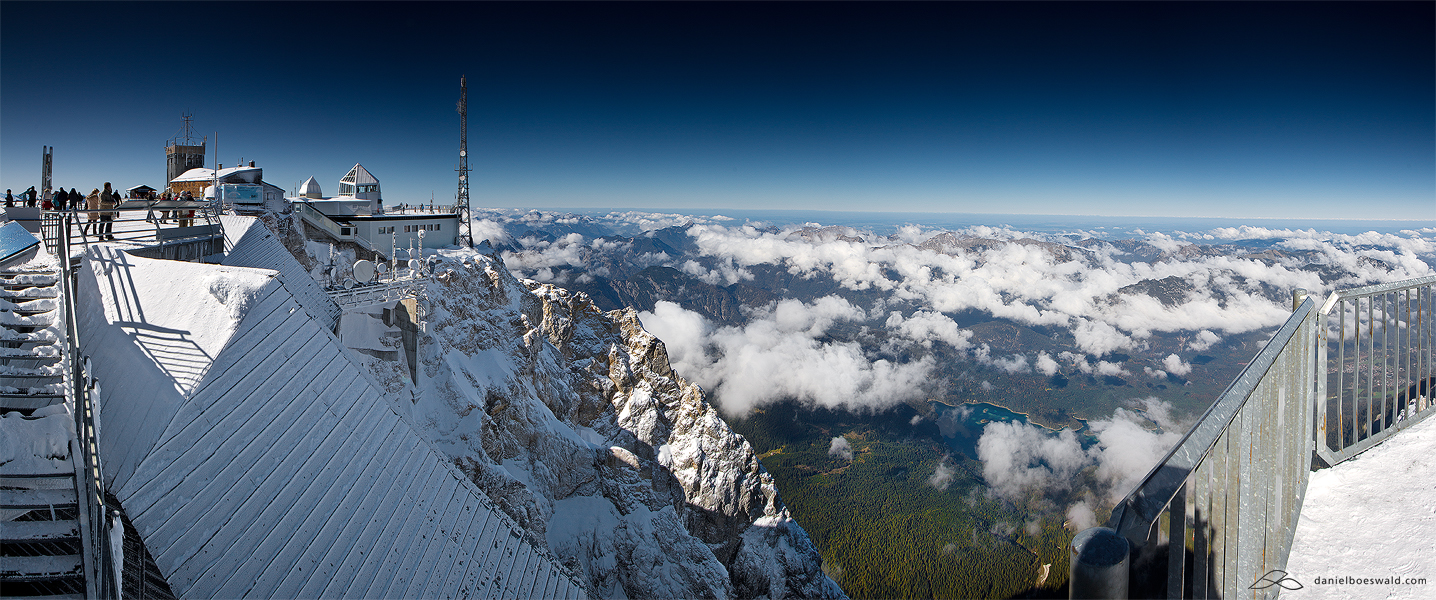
(96, 520)
(1243, 462)
(1380, 376)
(318, 219)
(1219, 511)
(139, 225)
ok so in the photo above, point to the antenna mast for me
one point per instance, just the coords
(461, 206)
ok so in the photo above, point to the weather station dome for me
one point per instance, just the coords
(310, 189)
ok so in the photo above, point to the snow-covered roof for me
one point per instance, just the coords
(255, 246)
(359, 176)
(230, 175)
(140, 187)
(256, 458)
(310, 189)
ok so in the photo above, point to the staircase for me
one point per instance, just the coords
(41, 552)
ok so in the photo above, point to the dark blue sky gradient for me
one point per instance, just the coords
(1208, 109)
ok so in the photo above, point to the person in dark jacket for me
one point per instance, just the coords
(9, 200)
(60, 199)
(30, 197)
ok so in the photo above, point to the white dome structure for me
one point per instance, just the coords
(310, 189)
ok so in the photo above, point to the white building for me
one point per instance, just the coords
(357, 214)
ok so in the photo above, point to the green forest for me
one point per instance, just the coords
(885, 530)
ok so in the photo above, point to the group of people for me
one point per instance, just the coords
(27, 197)
(99, 206)
(184, 218)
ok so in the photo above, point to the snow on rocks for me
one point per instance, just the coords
(573, 422)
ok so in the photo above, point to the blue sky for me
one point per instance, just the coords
(1241, 110)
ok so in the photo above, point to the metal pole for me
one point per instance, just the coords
(1100, 564)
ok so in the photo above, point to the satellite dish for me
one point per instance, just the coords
(401, 254)
(383, 267)
(348, 283)
(364, 271)
(415, 265)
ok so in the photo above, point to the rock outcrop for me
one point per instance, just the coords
(573, 422)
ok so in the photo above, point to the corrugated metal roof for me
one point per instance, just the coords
(284, 472)
(250, 244)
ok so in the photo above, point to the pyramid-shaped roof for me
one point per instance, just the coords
(359, 176)
(310, 189)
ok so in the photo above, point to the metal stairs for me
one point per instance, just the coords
(41, 552)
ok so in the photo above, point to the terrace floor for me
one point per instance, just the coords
(1372, 517)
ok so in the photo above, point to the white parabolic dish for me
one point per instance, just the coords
(364, 271)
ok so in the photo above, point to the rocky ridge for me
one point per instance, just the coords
(573, 422)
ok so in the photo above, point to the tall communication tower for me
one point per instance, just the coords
(461, 206)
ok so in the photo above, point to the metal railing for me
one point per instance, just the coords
(322, 221)
(1377, 348)
(1230, 492)
(82, 389)
(133, 222)
(395, 284)
(1219, 512)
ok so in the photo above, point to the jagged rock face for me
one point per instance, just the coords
(572, 420)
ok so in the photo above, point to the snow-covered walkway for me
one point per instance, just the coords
(1371, 519)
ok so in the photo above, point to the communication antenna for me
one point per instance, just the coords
(461, 205)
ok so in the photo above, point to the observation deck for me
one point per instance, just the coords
(1311, 474)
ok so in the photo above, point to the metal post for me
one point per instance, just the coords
(1298, 296)
(1100, 562)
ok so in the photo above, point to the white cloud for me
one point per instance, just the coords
(1174, 365)
(942, 475)
(1018, 458)
(840, 448)
(1128, 445)
(925, 327)
(1203, 340)
(1080, 516)
(1045, 364)
(1113, 369)
(778, 355)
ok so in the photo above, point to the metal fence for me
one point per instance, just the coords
(1379, 370)
(152, 225)
(96, 520)
(1220, 510)
(1216, 517)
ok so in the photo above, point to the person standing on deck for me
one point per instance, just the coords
(9, 200)
(92, 214)
(108, 201)
(61, 198)
(185, 217)
(29, 196)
